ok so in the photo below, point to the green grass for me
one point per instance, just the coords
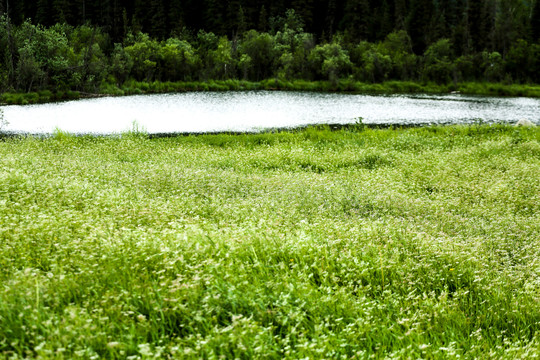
(359, 243)
(133, 87)
(37, 97)
(349, 86)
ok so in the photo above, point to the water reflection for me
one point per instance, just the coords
(253, 111)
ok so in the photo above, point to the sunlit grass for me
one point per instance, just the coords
(404, 243)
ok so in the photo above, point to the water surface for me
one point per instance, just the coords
(257, 110)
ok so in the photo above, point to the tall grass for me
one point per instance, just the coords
(359, 243)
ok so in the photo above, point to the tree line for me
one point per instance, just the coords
(81, 45)
(471, 25)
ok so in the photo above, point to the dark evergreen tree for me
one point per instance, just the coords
(418, 24)
(116, 26)
(475, 22)
(214, 13)
(385, 20)
(60, 11)
(157, 26)
(489, 14)
(535, 22)
(83, 10)
(330, 19)
(263, 19)
(439, 28)
(277, 7)
(232, 14)
(509, 25)
(356, 21)
(452, 12)
(196, 14)
(304, 9)
(460, 39)
(241, 23)
(176, 17)
(19, 10)
(43, 12)
(400, 14)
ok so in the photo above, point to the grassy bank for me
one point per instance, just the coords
(346, 86)
(412, 243)
(39, 97)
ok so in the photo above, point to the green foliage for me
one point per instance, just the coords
(92, 65)
(494, 66)
(293, 47)
(438, 64)
(442, 45)
(178, 60)
(222, 60)
(523, 61)
(257, 55)
(121, 64)
(44, 57)
(390, 59)
(479, 25)
(144, 53)
(372, 62)
(331, 61)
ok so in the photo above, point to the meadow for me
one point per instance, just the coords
(314, 243)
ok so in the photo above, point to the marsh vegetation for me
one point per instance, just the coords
(408, 243)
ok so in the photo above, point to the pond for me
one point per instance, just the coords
(258, 110)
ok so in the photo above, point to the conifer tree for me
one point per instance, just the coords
(535, 22)
(263, 19)
(304, 8)
(43, 13)
(241, 25)
(418, 24)
(452, 12)
(509, 25)
(386, 20)
(475, 24)
(357, 19)
(157, 26)
(400, 14)
(330, 19)
(214, 12)
(489, 14)
(116, 24)
(176, 16)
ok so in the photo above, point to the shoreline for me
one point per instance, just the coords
(343, 86)
(336, 128)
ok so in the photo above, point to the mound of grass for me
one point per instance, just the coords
(358, 243)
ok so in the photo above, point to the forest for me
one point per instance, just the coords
(88, 45)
